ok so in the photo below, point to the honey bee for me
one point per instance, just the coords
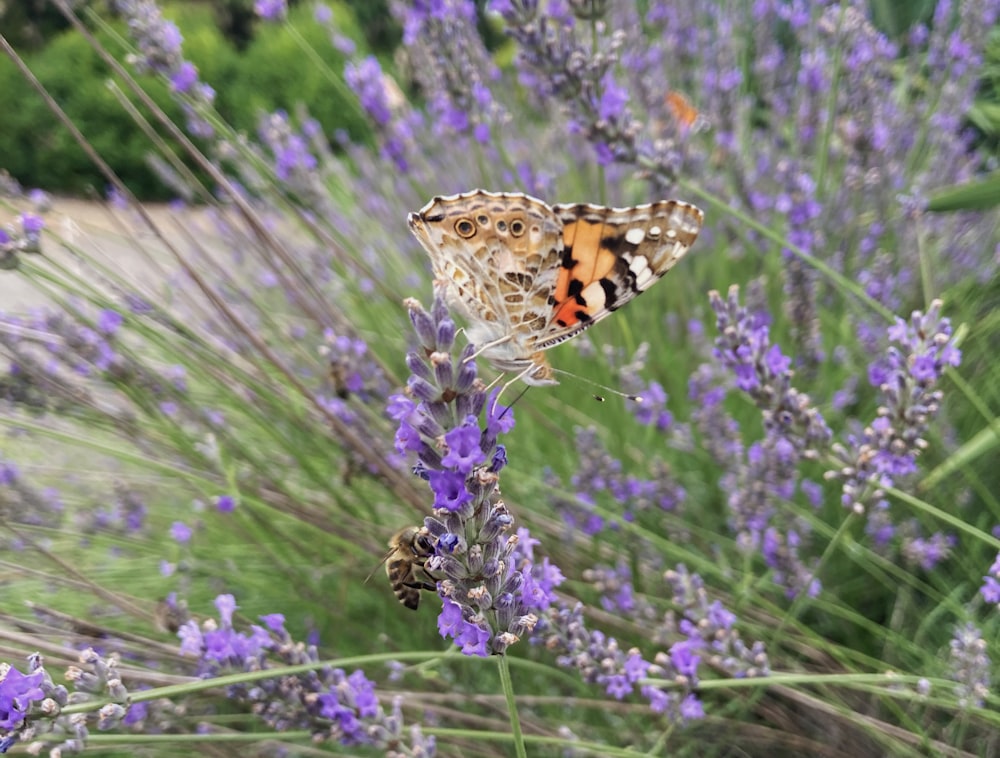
(170, 614)
(409, 550)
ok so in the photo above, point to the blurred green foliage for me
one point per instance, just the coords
(271, 73)
(29, 24)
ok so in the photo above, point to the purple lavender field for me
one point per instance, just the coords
(756, 513)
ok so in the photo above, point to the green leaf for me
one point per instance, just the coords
(977, 195)
(985, 117)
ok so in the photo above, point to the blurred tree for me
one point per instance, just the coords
(235, 19)
(28, 24)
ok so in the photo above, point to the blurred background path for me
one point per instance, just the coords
(116, 237)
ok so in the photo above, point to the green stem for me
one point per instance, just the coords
(803, 597)
(508, 691)
(823, 155)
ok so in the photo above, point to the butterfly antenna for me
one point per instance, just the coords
(591, 382)
(512, 403)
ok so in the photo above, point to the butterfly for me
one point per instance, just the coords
(527, 276)
(685, 114)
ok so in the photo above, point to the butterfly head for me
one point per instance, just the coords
(538, 372)
(510, 354)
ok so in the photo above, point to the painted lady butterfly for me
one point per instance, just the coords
(527, 276)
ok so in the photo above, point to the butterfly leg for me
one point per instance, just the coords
(517, 377)
(480, 349)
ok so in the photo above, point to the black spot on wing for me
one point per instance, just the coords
(623, 250)
(613, 243)
(567, 258)
(610, 294)
(575, 291)
(433, 219)
(618, 245)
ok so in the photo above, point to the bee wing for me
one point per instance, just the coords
(380, 564)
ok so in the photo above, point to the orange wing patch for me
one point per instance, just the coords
(687, 117)
(579, 293)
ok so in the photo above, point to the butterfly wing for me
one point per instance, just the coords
(498, 256)
(610, 255)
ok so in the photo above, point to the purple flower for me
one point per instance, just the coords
(17, 692)
(539, 582)
(991, 587)
(499, 418)
(225, 605)
(635, 667)
(794, 431)
(691, 708)
(454, 118)
(380, 99)
(449, 490)
(927, 553)
(488, 587)
(684, 659)
(40, 199)
(109, 321)
(184, 78)
(365, 78)
(32, 224)
(8, 473)
(401, 407)
(464, 452)
(274, 621)
(408, 439)
(474, 639)
(720, 617)
(450, 619)
(885, 452)
(327, 702)
(652, 410)
(618, 686)
(970, 666)
(181, 532)
(499, 460)
(225, 503)
(271, 10)
(990, 590)
(613, 99)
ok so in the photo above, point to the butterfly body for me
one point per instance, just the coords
(527, 276)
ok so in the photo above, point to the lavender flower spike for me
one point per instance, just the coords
(481, 579)
(333, 705)
(905, 376)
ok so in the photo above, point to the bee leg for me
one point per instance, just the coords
(420, 585)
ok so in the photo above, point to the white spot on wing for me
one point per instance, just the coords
(638, 264)
(644, 278)
(635, 236)
(655, 231)
(593, 295)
